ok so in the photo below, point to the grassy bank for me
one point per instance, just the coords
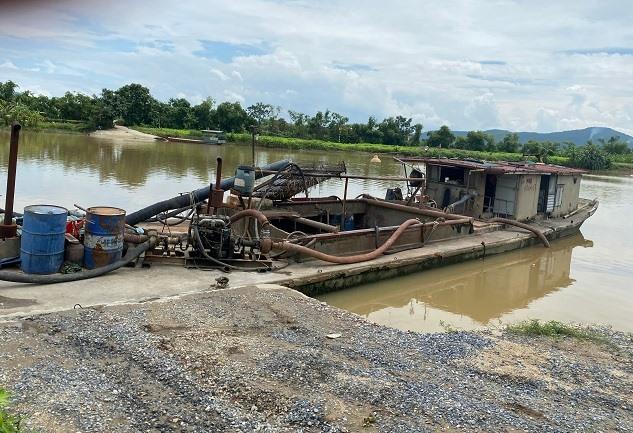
(555, 329)
(299, 144)
(619, 161)
(302, 144)
(67, 127)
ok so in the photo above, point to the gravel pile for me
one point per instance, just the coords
(259, 360)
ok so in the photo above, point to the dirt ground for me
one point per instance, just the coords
(122, 133)
(270, 359)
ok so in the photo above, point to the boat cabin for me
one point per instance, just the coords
(213, 136)
(520, 191)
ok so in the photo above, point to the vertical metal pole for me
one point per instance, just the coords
(253, 129)
(214, 190)
(13, 162)
(344, 204)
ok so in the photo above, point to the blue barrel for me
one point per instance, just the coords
(43, 236)
(103, 240)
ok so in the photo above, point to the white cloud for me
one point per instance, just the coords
(471, 64)
(8, 65)
(221, 75)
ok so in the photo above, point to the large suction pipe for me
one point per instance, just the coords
(410, 209)
(19, 277)
(198, 196)
(254, 213)
(534, 230)
(287, 246)
(451, 207)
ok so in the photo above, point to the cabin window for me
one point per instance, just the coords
(559, 195)
(452, 175)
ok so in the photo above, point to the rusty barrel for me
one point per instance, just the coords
(103, 240)
(43, 235)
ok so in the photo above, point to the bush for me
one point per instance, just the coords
(590, 157)
(555, 329)
(8, 423)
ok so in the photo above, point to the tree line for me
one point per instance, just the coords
(133, 104)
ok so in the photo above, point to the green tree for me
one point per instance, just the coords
(416, 137)
(135, 104)
(510, 143)
(7, 90)
(337, 122)
(443, 137)
(261, 113)
(542, 150)
(203, 113)
(16, 112)
(101, 114)
(476, 140)
(231, 117)
(73, 106)
(590, 157)
(396, 130)
(615, 146)
(178, 111)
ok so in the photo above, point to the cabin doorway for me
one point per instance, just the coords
(542, 195)
(489, 194)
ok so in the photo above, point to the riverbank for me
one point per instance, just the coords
(122, 133)
(270, 359)
(274, 142)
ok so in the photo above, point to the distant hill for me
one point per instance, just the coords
(576, 136)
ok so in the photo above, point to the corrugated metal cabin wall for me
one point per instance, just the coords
(527, 196)
(570, 194)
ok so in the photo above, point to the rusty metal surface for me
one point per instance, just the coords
(295, 180)
(499, 167)
(9, 229)
(216, 194)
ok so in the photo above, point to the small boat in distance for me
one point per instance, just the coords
(210, 136)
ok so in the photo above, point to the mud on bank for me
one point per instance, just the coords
(259, 359)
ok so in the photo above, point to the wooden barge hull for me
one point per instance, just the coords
(485, 241)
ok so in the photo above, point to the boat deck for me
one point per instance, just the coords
(130, 285)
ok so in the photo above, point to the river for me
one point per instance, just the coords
(587, 278)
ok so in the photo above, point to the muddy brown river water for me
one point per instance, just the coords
(587, 278)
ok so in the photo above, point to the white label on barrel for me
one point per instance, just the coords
(239, 182)
(107, 243)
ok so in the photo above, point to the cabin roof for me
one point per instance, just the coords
(499, 167)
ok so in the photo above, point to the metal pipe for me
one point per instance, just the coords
(13, 163)
(216, 190)
(287, 246)
(534, 230)
(188, 200)
(352, 176)
(451, 207)
(352, 233)
(20, 277)
(415, 210)
(316, 224)
(254, 213)
(344, 204)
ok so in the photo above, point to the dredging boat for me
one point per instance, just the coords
(209, 136)
(452, 210)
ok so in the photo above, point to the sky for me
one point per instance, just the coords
(518, 65)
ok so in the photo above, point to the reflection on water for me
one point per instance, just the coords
(67, 168)
(475, 292)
